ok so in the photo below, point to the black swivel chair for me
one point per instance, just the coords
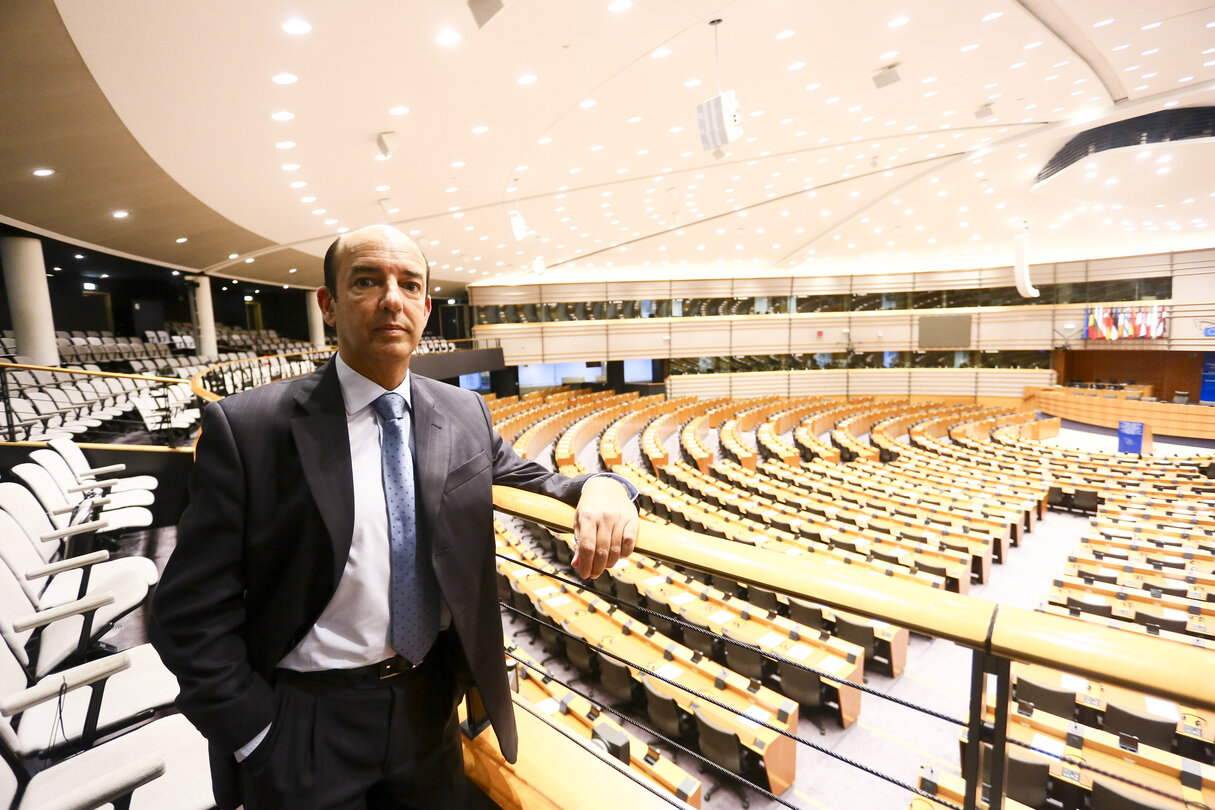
(806, 614)
(1027, 781)
(1154, 731)
(629, 599)
(702, 640)
(803, 686)
(861, 634)
(1059, 702)
(763, 599)
(664, 713)
(582, 657)
(721, 746)
(744, 660)
(617, 680)
(1107, 797)
(660, 620)
(1161, 622)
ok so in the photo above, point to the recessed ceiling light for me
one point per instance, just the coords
(898, 22)
(318, 211)
(1149, 26)
(285, 144)
(249, 260)
(995, 15)
(331, 222)
(284, 78)
(527, 78)
(587, 103)
(382, 188)
(296, 26)
(292, 270)
(788, 32)
(181, 240)
(290, 167)
(661, 53)
(481, 130)
(299, 184)
(121, 214)
(447, 37)
(888, 56)
(1103, 23)
(307, 199)
(797, 66)
(692, 83)
(230, 256)
(400, 109)
(43, 172)
(545, 141)
(597, 148)
(451, 189)
(283, 115)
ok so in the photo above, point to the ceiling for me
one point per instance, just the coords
(581, 116)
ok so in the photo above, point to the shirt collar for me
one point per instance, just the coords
(358, 392)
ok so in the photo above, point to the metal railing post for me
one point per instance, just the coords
(1002, 669)
(974, 729)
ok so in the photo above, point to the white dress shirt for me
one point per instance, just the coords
(352, 631)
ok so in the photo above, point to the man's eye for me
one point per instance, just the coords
(363, 282)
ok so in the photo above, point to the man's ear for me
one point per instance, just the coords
(428, 306)
(325, 300)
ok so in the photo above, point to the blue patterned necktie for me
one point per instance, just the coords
(413, 590)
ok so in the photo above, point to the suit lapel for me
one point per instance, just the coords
(432, 442)
(323, 442)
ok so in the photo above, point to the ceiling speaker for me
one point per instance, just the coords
(484, 10)
(719, 120)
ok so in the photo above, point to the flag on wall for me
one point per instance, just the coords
(1122, 323)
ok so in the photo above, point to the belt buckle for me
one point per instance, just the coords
(394, 667)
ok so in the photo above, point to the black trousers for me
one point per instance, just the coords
(388, 744)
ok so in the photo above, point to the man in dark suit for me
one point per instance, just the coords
(282, 609)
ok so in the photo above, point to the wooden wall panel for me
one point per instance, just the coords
(1167, 372)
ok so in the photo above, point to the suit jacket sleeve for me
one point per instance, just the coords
(198, 613)
(512, 471)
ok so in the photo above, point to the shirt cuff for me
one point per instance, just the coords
(249, 747)
(624, 481)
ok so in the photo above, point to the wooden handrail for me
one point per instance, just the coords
(1147, 664)
(120, 375)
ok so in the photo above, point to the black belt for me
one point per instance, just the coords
(369, 675)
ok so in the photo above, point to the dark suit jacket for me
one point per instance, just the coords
(264, 539)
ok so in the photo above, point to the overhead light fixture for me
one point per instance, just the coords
(88, 285)
(43, 172)
(389, 206)
(484, 10)
(387, 142)
(886, 76)
(284, 78)
(296, 26)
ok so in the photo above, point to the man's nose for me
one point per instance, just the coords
(394, 296)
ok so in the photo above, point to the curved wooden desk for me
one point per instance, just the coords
(1094, 408)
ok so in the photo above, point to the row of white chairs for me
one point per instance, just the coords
(83, 725)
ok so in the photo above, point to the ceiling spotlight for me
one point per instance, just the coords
(886, 76)
(296, 26)
(389, 206)
(986, 111)
(284, 78)
(387, 143)
(43, 172)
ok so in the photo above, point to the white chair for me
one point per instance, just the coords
(65, 633)
(83, 471)
(104, 696)
(49, 584)
(60, 509)
(160, 765)
(74, 490)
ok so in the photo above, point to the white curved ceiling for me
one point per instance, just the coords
(831, 174)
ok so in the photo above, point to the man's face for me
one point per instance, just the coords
(380, 305)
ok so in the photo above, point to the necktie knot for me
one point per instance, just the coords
(390, 406)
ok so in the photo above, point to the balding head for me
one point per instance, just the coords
(333, 256)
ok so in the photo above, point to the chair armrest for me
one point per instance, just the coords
(49, 687)
(88, 485)
(54, 614)
(106, 470)
(79, 528)
(118, 782)
(66, 565)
